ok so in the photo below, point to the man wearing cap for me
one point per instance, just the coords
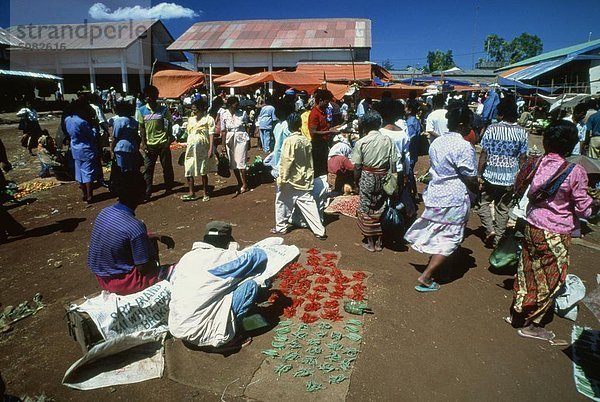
(213, 289)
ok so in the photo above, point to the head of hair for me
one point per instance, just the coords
(200, 104)
(323, 95)
(560, 137)
(507, 108)
(412, 107)
(130, 187)
(294, 122)
(580, 108)
(232, 100)
(390, 110)
(459, 114)
(151, 91)
(123, 108)
(371, 120)
(438, 101)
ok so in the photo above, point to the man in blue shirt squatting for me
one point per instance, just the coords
(213, 287)
(122, 254)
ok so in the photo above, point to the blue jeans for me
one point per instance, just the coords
(244, 297)
(265, 139)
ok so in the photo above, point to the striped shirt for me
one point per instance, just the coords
(504, 143)
(119, 242)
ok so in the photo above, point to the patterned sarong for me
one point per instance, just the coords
(372, 202)
(540, 274)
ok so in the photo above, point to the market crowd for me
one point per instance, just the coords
(321, 151)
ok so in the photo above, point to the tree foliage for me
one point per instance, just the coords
(522, 47)
(387, 64)
(438, 60)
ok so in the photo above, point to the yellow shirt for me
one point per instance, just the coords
(296, 164)
(304, 128)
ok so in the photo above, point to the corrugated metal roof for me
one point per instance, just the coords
(9, 40)
(96, 35)
(30, 74)
(276, 34)
(565, 51)
(538, 69)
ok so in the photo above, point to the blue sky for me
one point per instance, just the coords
(402, 31)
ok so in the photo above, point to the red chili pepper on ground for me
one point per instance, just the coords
(309, 318)
(314, 306)
(297, 302)
(330, 256)
(289, 312)
(320, 288)
(357, 296)
(359, 276)
(273, 297)
(331, 304)
(332, 315)
(322, 280)
(313, 251)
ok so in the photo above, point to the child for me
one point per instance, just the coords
(46, 153)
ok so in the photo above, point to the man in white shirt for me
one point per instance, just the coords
(437, 124)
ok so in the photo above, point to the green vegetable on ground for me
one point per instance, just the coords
(270, 352)
(327, 367)
(336, 379)
(282, 368)
(303, 372)
(290, 356)
(354, 337)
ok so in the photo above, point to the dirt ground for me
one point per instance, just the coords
(449, 345)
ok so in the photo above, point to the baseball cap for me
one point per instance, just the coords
(218, 228)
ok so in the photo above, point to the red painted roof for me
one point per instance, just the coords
(276, 34)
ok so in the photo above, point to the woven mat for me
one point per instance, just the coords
(248, 372)
(345, 205)
(312, 360)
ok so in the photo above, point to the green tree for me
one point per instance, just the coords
(387, 64)
(496, 48)
(438, 60)
(524, 46)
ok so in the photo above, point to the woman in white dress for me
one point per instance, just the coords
(199, 153)
(233, 124)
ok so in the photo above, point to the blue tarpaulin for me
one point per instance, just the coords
(522, 88)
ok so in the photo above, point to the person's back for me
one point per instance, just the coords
(296, 164)
(448, 155)
(505, 143)
(81, 135)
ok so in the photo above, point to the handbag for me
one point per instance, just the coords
(551, 186)
(223, 166)
(390, 183)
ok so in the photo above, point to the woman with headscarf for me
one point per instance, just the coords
(440, 229)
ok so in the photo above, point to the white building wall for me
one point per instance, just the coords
(595, 76)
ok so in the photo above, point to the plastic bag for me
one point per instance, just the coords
(392, 223)
(223, 166)
(507, 252)
(570, 293)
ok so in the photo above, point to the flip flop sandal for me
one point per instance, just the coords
(205, 198)
(275, 231)
(188, 197)
(432, 287)
(538, 337)
(507, 319)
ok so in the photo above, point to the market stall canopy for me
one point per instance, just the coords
(233, 76)
(344, 71)
(522, 88)
(339, 90)
(296, 80)
(429, 78)
(29, 74)
(564, 100)
(174, 83)
(397, 90)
